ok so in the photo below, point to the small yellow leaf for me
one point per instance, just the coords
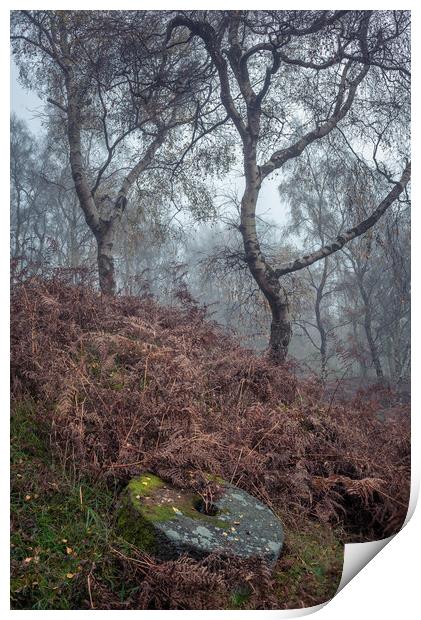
(69, 575)
(27, 560)
(69, 550)
(64, 540)
(27, 497)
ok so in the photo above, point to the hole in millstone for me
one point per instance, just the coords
(206, 508)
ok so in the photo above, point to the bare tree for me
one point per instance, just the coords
(117, 93)
(288, 79)
(369, 286)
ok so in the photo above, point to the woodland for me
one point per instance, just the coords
(210, 275)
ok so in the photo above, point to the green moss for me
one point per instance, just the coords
(61, 527)
(215, 478)
(94, 365)
(28, 432)
(158, 513)
(147, 484)
(310, 567)
(138, 511)
(144, 485)
(136, 529)
(240, 598)
(117, 387)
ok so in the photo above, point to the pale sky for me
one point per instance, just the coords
(26, 104)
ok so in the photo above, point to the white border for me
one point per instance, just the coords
(388, 586)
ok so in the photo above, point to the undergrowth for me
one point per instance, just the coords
(104, 389)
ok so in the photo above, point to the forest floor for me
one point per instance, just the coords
(105, 389)
(64, 540)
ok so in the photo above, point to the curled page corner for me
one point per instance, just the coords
(358, 555)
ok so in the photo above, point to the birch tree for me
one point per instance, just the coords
(117, 94)
(287, 79)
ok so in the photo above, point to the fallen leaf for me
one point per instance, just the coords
(27, 560)
(69, 575)
(69, 550)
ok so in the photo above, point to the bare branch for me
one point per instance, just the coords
(350, 234)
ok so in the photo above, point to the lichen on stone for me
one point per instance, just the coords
(158, 517)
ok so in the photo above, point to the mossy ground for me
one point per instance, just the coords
(63, 529)
(310, 567)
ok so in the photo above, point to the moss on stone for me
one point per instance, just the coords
(140, 509)
(134, 528)
(158, 513)
(144, 485)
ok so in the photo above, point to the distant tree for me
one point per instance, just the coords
(314, 203)
(23, 182)
(47, 227)
(366, 289)
(288, 79)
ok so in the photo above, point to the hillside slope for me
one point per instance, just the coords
(123, 385)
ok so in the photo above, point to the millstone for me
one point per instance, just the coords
(166, 521)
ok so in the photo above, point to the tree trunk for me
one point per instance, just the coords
(102, 229)
(280, 336)
(369, 332)
(319, 322)
(105, 258)
(264, 275)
